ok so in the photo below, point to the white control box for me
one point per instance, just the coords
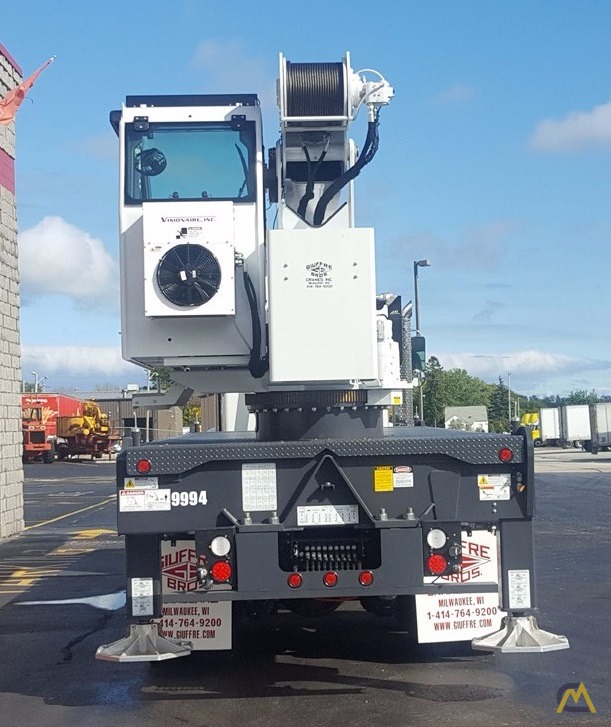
(322, 309)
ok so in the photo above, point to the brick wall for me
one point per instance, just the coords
(11, 469)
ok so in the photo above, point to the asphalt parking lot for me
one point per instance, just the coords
(61, 590)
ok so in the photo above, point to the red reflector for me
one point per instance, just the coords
(221, 571)
(437, 563)
(143, 466)
(295, 580)
(505, 454)
(366, 578)
(330, 579)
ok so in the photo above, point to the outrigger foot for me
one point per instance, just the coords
(520, 634)
(144, 643)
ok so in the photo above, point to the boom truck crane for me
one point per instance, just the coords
(321, 501)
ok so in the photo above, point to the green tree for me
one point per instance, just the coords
(461, 389)
(498, 417)
(454, 387)
(160, 377)
(434, 393)
(192, 412)
(582, 397)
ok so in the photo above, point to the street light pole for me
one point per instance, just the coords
(37, 381)
(419, 264)
(509, 396)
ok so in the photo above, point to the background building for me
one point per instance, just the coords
(153, 424)
(11, 471)
(469, 418)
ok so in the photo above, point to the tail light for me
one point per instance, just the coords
(143, 466)
(295, 580)
(330, 579)
(505, 454)
(436, 564)
(221, 571)
(366, 578)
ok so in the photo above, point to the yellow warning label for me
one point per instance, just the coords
(129, 483)
(383, 479)
(482, 481)
(397, 399)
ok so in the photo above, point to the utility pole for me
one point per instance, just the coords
(509, 396)
(419, 264)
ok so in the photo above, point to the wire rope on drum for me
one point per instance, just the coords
(315, 89)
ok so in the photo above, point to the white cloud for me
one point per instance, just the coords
(459, 93)
(530, 366)
(76, 360)
(58, 257)
(577, 130)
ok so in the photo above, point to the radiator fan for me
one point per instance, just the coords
(188, 275)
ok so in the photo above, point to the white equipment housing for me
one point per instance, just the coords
(215, 219)
(166, 235)
(322, 304)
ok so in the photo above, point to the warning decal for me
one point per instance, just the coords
(518, 582)
(144, 500)
(259, 487)
(403, 476)
(494, 487)
(383, 479)
(140, 483)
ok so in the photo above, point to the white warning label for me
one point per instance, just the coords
(327, 515)
(140, 483)
(402, 476)
(142, 596)
(494, 487)
(144, 500)
(259, 487)
(518, 582)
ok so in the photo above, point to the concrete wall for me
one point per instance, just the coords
(11, 469)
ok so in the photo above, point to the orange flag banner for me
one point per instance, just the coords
(12, 101)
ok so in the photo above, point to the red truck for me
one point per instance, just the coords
(39, 413)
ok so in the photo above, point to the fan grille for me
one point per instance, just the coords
(188, 275)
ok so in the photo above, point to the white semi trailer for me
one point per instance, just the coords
(575, 425)
(600, 427)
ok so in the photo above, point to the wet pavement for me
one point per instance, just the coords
(61, 596)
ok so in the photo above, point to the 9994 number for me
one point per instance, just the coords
(186, 499)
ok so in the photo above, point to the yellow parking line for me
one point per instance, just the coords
(70, 514)
(92, 533)
(73, 551)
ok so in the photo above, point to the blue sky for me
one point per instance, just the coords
(494, 163)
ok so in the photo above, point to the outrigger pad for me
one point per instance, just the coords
(520, 634)
(144, 643)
